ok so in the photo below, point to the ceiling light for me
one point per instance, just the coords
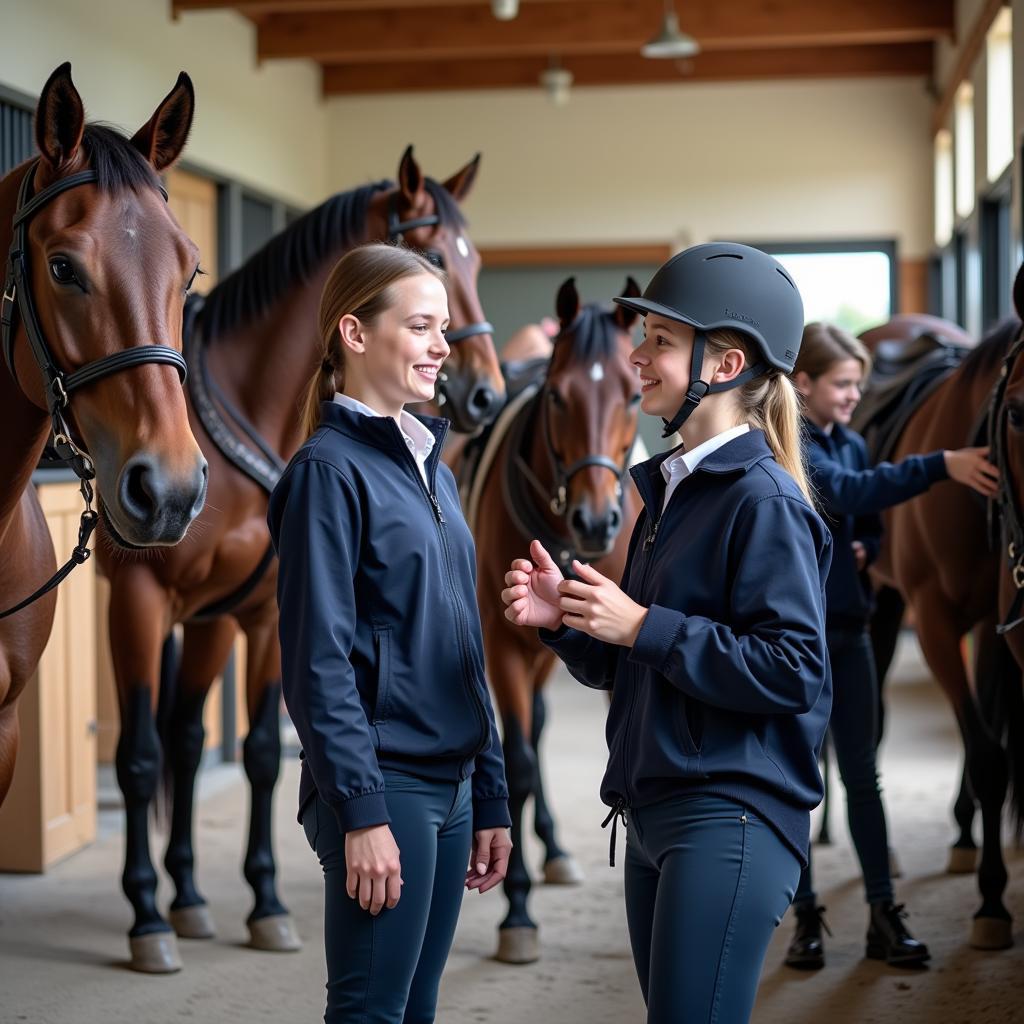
(670, 42)
(504, 10)
(557, 83)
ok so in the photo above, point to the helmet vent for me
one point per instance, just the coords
(787, 277)
(723, 256)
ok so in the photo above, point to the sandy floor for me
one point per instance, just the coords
(63, 949)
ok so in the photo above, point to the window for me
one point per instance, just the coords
(943, 187)
(850, 284)
(963, 125)
(999, 98)
(996, 257)
(17, 142)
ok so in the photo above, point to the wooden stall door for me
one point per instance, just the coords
(193, 200)
(50, 811)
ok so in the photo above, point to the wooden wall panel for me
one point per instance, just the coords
(51, 809)
(193, 200)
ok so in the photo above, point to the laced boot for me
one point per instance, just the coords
(888, 938)
(807, 951)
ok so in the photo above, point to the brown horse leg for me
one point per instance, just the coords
(513, 689)
(138, 620)
(204, 651)
(270, 925)
(939, 634)
(8, 747)
(559, 867)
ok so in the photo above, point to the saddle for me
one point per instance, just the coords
(903, 376)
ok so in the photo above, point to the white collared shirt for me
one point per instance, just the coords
(679, 467)
(418, 439)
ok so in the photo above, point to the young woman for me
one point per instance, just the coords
(382, 656)
(829, 372)
(714, 647)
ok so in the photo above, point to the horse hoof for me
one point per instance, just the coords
(192, 922)
(518, 946)
(275, 934)
(895, 871)
(563, 870)
(962, 860)
(991, 933)
(156, 953)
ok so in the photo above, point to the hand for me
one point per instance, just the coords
(531, 590)
(374, 871)
(488, 861)
(860, 555)
(970, 466)
(599, 607)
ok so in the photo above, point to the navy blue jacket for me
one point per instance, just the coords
(727, 689)
(851, 495)
(381, 649)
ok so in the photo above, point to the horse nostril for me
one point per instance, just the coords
(614, 520)
(139, 490)
(578, 521)
(482, 399)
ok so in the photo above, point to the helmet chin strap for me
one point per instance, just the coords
(700, 388)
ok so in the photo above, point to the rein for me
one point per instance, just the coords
(58, 386)
(1006, 503)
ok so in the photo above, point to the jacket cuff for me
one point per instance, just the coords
(492, 813)
(567, 643)
(363, 811)
(935, 467)
(657, 636)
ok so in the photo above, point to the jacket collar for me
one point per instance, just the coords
(379, 431)
(737, 456)
(838, 436)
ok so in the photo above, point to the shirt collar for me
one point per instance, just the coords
(686, 462)
(421, 437)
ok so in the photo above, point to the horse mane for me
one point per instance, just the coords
(117, 163)
(593, 335)
(985, 357)
(290, 258)
(295, 254)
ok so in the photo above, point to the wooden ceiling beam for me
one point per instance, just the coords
(583, 27)
(263, 7)
(632, 69)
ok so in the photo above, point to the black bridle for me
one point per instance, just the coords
(58, 385)
(1006, 502)
(396, 233)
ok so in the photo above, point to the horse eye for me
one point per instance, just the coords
(556, 400)
(192, 280)
(1016, 416)
(436, 258)
(62, 270)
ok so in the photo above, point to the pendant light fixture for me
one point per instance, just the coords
(670, 42)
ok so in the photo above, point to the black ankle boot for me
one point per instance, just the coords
(889, 940)
(807, 951)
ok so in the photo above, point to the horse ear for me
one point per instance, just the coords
(567, 303)
(624, 316)
(60, 119)
(163, 137)
(460, 184)
(410, 179)
(1018, 292)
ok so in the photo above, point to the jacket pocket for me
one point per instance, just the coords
(690, 723)
(382, 645)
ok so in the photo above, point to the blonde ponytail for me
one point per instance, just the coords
(769, 403)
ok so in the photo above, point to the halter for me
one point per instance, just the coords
(396, 233)
(58, 386)
(1006, 503)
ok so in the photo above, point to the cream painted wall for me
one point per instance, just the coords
(810, 159)
(265, 126)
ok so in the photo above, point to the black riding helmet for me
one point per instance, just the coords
(725, 284)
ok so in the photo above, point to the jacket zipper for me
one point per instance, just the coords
(463, 630)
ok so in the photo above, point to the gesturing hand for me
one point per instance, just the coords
(489, 858)
(531, 590)
(970, 466)
(596, 605)
(373, 868)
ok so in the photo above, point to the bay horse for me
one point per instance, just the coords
(93, 295)
(253, 347)
(559, 472)
(937, 553)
